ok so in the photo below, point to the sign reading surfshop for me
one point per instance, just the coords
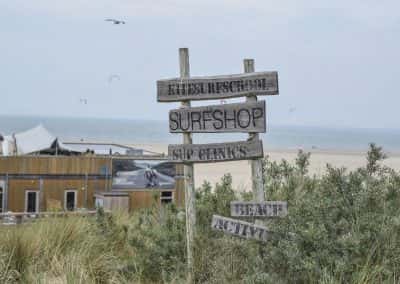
(238, 117)
(217, 152)
(217, 87)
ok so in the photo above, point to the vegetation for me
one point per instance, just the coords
(342, 227)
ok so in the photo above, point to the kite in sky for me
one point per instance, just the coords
(113, 77)
(115, 22)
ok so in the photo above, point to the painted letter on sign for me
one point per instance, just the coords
(238, 117)
(217, 152)
(217, 87)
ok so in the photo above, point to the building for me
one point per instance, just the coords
(50, 183)
(39, 173)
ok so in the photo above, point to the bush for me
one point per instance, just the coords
(158, 240)
(345, 224)
(342, 227)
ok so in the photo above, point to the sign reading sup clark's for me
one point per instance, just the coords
(216, 152)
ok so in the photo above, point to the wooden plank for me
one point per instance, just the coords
(238, 117)
(49, 214)
(259, 209)
(217, 87)
(53, 176)
(53, 164)
(257, 179)
(188, 172)
(217, 152)
(240, 228)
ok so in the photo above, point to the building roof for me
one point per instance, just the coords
(105, 148)
(36, 140)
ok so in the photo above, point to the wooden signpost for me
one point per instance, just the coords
(241, 117)
(259, 209)
(217, 87)
(240, 228)
(217, 152)
(257, 180)
(248, 117)
(188, 173)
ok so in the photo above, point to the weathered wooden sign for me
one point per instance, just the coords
(259, 209)
(216, 152)
(217, 87)
(238, 117)
(240, 228)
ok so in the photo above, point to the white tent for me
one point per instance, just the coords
(35, 140)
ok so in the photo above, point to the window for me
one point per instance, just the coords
(166, 197)
(2, 196)
(99, 202)
(31, 201)
(70, 200)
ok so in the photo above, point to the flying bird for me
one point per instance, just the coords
(115, 22)
(112, 77)
(83, 101)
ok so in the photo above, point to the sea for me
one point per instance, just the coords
(129, 131)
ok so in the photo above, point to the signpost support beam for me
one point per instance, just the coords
(41, 195)
(256, 165)
(5, 194)
(188, 175)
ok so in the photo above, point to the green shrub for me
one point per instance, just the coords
(158, 240)
(345, 224)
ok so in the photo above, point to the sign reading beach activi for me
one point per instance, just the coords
(259, 209)
(217, 87)
(216, 152)
(238, 117)
(240, 228)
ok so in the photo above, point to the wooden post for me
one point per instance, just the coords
(5, 195)
(86, 191)
(256, 165)
(188, 173)
(41, 195)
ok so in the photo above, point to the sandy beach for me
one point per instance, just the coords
(240, 170)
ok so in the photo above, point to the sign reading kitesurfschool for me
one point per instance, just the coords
(217, 152)
(217, 87)
(240, 117)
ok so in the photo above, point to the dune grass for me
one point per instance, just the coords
(59, 250)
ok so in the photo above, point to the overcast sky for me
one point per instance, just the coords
(338, 61)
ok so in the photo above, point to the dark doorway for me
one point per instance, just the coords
(70, 200)
(166, 197)
(1, 200)
(31, 202)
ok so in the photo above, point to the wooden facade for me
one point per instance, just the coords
(59, 182)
